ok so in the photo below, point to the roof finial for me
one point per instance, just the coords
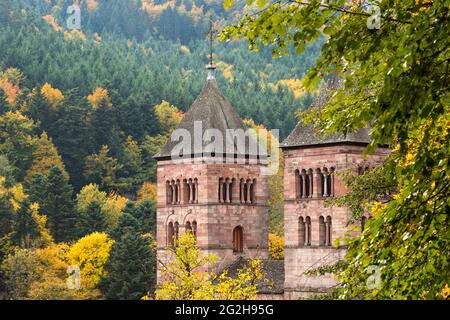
(211, 68)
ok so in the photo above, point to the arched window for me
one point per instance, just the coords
(247, 191)
(177, 231)
(253, 192)
(231, 192)
(195, 190)
(331, 182)
(188, 227)
(194, 229)
(238, 239)
(224, 190)
(328, 231)
(319, 183)
(301, 232)
(363, 222)
(170, 234)
(308, 231)
(322, 231)
(186, 191)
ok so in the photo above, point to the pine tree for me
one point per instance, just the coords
(92, 219)
(4, 106)
(127, 222)
(54, 195)
(45, 157)
(131, 268)
(144, 213)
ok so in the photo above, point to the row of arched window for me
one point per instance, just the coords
(173, 231)
(304, 230)
(247, 189)
(318, 183)
(184, 192)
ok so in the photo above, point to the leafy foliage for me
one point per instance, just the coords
(396, 80)
(185, 276)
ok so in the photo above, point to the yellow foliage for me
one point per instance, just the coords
(54, 258)
(168, 115)
(90, 254)
(226, 70)
(53, 96)
(17, 196)
(45, 238)
(99, 95)
(88, 194)
(45, 157)
(446, 292)
(75, 35)
(276, 247)
(295, 85)
(113, 207)
(147, 192)
(53, 23)
(13, 75)
(156, 9)
(52, 284)
(185, 276)
(185, 49)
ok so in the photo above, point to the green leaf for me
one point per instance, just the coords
(227, 4)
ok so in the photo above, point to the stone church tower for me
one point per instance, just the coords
(314, 233)
(220, 196)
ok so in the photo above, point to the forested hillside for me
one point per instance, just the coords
(82, 113)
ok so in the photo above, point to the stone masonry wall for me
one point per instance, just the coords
(299, 259)
(215, 221)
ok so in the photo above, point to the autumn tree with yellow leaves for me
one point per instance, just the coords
(186, 276)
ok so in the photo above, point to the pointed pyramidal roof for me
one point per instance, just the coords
(304, 135)
(214, 111)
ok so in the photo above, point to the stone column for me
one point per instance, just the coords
(303, 185)
(325, 184)
(317, 188)
(225, 186)
(196, 191)
(327, 232)
(248, 200)
(173, 193)
(191, 193)
(241, 193)
(220, 190)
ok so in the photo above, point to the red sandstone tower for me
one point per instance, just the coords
(220, 196)
(314, 233)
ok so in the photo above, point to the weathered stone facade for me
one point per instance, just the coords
(303, 254)
(220, 196)
(225, 204)
(215, 220)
